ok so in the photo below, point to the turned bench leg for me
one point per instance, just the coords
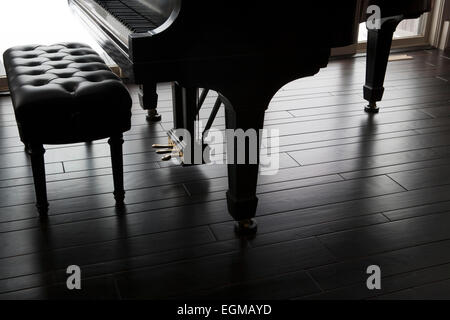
(36, 152)
(115, 143)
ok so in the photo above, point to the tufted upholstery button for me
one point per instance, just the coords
(34, 72)
(90, 66)
(81, 52)
(32, 63)
(52, 49)
(63, 72)
(39, 83)
(49, 84)
(56, 58)
(75, 45)
(65, 75)
(86, 59)
(70, 86)
(60, 64)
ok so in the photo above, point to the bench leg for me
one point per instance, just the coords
(36, 152)
(115, 143)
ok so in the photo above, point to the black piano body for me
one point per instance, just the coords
(244, 50)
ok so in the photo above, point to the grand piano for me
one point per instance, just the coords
(244, 50)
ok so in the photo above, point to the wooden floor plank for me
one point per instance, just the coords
(422, 178)
(93, 289)
(281, 221)
(180, 280)
(437, 290)
(359, 150)
(389, 236)
(431, 283)
(353, 272)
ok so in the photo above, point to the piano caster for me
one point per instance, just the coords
(119, 196)
(153, 116)
(372, 108)
(247, 227)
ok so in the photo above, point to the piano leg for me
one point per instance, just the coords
(242, 178)
(177, 100)
(148, 98)
(378, 49)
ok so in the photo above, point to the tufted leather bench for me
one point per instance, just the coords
(63, 94)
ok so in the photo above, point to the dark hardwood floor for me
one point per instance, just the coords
(353, 190)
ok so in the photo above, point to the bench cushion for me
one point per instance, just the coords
(65, 93)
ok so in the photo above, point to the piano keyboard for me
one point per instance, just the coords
(136, 16)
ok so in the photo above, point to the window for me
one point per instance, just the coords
(413, 28)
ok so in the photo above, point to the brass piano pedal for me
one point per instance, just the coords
(164, 151)
(176, 154)
(162, 146)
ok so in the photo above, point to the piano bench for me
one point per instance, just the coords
(64, 94)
